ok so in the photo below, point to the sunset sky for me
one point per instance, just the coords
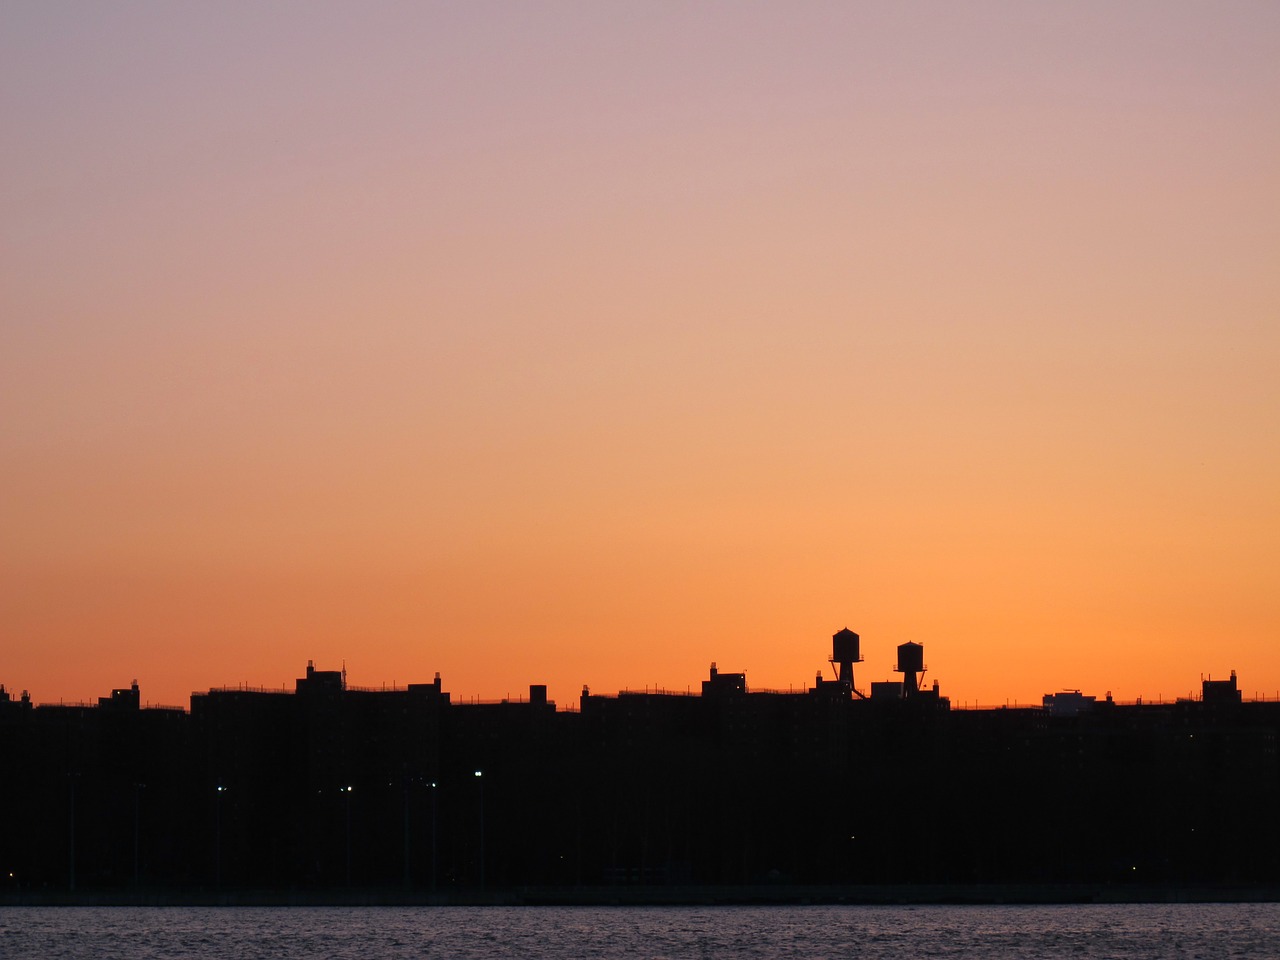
(594, 342)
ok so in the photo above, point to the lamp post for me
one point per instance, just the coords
(347, 792)
(433, 836)
(137, 794)
(480, 780)
(219, 792)
(408, 878)
(71, 833)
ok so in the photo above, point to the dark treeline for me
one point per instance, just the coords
(328, 787)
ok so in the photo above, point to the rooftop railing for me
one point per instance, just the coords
(241, 688)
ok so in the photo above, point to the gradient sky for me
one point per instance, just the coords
(595, 342)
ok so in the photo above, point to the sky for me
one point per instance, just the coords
(592, 343)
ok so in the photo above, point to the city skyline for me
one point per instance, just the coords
(588, 344)
(413, 795)
(859, 685)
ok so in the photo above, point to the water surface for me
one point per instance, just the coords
(368, 933)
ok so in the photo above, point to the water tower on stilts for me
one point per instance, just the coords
(844, 654)
(911, 666)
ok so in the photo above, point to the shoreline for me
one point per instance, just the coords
(996, 894)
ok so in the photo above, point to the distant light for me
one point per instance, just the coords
(479, 773)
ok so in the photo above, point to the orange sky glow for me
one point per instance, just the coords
(581, 343)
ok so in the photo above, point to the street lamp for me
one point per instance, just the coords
(71, 833)
(433, 836)
(408, 875)
(137, 791)
(480, 780)
(218, 833)
(347, 792)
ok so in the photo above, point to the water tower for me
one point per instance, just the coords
(911, 666)
(844, 654)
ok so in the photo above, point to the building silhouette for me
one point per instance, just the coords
(332, 787)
